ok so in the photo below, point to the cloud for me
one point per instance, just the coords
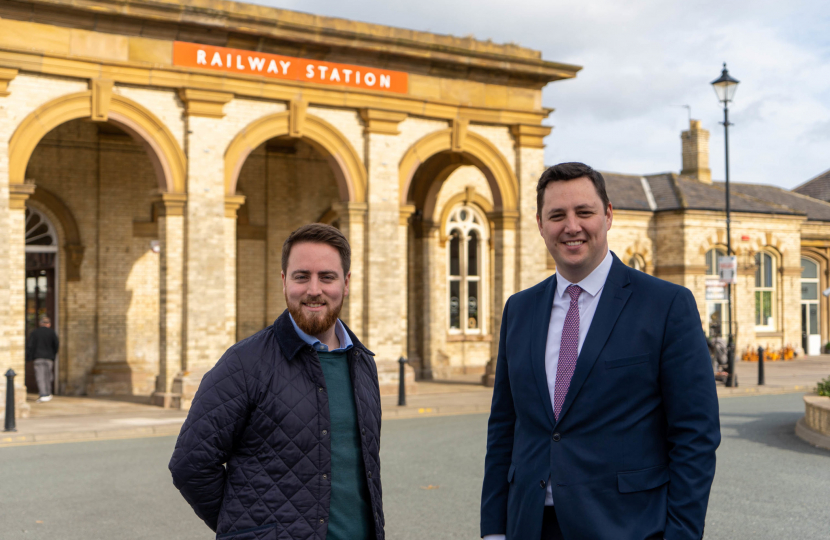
(643, 60)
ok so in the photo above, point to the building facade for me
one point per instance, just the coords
(154, 155)
(674, 227)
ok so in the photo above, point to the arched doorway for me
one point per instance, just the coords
(461, 260)
(810, 324)
(102, 177)
(41, 282)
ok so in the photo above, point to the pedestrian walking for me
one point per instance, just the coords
(604, 420)
(283, 437)
(41, 349)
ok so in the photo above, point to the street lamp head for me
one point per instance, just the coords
(725, 86)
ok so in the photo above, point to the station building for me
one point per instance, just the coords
(673, 226)
(154, 155)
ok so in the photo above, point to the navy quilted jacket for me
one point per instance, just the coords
(253, 458)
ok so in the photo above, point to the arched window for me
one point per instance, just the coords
(765, 283)
(810, 335)
(717, 307)
(636, 262)
(467, 234)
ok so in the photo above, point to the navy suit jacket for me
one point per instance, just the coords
(632, 455)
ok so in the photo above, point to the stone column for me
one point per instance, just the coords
(170, 208)
(205, 298)
(232, 204)
(385, 271)
(530, 164)
(433, 296)
(505, 276)
(16, 322)
(352, 218)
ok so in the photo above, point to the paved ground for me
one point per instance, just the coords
(80, 418)
(770, 485)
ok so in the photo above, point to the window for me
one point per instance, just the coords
(810, 335)
(765, 291)
(717, 309)
(636, 262)
(466, 232)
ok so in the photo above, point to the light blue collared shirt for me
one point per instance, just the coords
(339, 330)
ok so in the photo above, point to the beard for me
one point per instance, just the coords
(314, 324)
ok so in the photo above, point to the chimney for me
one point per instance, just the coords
(696, 153)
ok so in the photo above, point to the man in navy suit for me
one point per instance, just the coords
(604, 421)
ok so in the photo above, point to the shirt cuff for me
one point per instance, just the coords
(494, 537)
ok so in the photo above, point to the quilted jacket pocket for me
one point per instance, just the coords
(627, 361)
(632, 481)
(263, 532)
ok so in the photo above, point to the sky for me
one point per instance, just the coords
(643, 60)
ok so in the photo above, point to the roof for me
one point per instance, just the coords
(670, 191)
(818, 187)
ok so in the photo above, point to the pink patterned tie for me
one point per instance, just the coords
(568, 351)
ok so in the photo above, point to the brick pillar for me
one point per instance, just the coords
(530, 164)
(432, 290)
(385, 271)
(170, 208)
(403, 255)
(505, 278)
(206, 327)
(352, 218)
(16, 322)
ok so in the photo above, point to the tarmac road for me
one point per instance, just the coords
(770, 485)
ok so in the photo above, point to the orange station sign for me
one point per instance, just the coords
(275, 66)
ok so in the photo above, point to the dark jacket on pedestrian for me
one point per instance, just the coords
(253, 458)
(43, 344)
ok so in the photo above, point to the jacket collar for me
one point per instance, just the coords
(291, 343)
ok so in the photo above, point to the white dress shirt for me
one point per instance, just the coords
(591, 287)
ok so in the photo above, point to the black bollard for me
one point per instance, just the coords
(760, 366)
(401, 383)
(10, 400)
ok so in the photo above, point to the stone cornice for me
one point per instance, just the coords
(384, 122)
(332, 36)
(204, 103)
(18, 194)
(129, 73)
(532, 136)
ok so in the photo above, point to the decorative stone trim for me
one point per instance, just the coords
(18, 194)
(6, 76)
(101, 94)
(232, 204)
(459, 128)
(204, 103)
(406, 211)
(296, 120)
(170, 204)
(383, 122)
(507, 220)
(530, 136)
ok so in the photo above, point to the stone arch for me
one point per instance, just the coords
(69, 232)
(164, 151)
(345, 162)
(435, 157)
(642, 250)
(484, 206)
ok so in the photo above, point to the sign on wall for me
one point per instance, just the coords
(286, 67)
(728, 268)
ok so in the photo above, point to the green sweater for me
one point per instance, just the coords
(350, 515)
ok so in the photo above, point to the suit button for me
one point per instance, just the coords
(556, 437)
(370, 474)
(543, 484)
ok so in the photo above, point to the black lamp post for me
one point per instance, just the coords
(725, 87)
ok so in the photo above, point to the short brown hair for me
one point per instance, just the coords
(319, 233)
(569, 171)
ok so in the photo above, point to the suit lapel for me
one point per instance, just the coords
(611, 302)
(538, 343)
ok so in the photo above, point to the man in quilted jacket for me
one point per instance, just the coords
(282, 440)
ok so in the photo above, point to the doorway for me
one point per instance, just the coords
(41, 286)
(810, 335)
